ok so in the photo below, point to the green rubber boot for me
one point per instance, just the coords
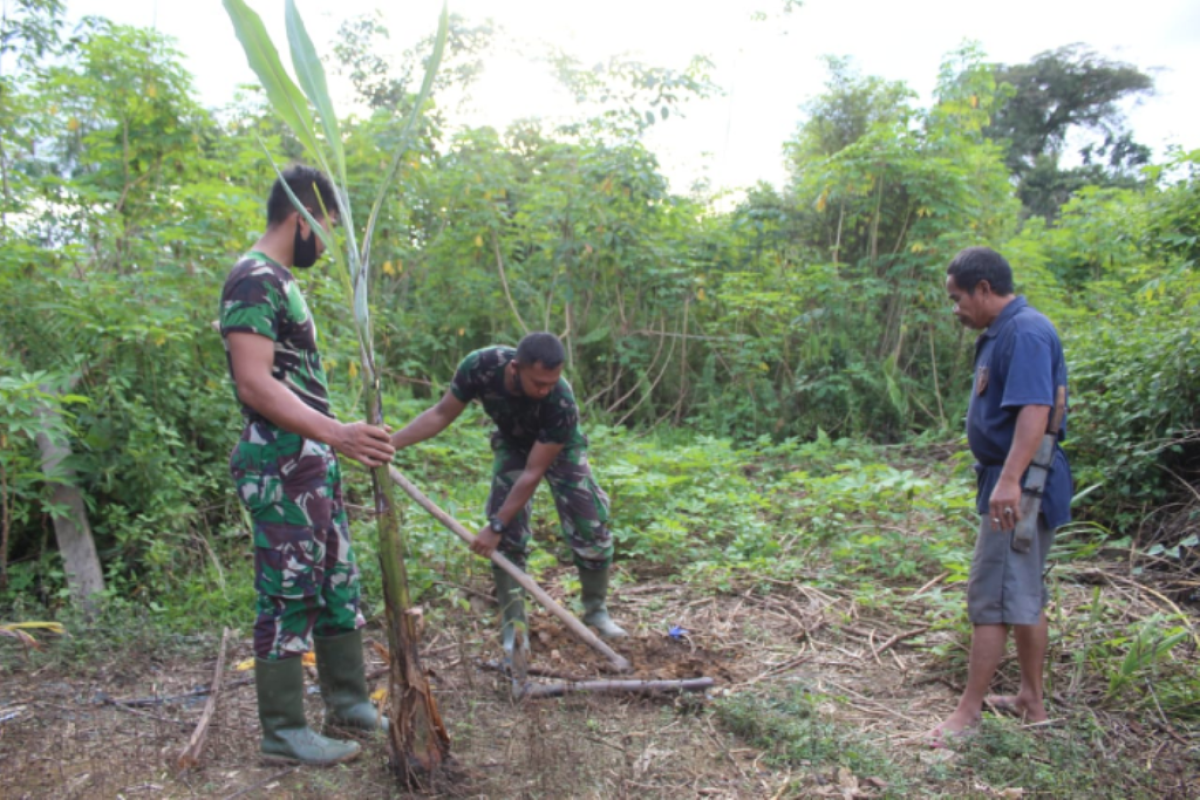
(286, 737)
(343, 680)
(513, 626)
(595, 611)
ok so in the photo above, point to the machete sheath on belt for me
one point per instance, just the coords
(1035, 477)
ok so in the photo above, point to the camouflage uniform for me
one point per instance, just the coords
(304, 569)
(521, 422)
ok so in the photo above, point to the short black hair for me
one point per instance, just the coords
(305, 183)
(975, 264)
(540, 348)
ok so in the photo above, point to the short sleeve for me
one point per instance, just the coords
(466, 382)
(255, 302)
(561, 419)
(1030, 378)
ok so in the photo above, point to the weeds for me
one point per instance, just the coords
(119, 630)
(793, 731)
(1076, 759)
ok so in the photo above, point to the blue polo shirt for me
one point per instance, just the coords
(1018, 362)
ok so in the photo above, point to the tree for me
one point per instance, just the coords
(625, 97)
(364, 41)
(31, 34)
(1058, 92)
(885, 193)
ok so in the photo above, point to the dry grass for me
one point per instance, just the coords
(885, 674)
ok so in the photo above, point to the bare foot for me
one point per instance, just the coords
(958, 726)
(1015, 705)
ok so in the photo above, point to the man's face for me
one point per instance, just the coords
(535, 381)
(968, 307)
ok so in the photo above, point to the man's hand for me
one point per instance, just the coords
(365, 443)
(486, 541)
(1005, 504)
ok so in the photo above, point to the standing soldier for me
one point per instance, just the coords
(537, 436)
(1014, 423)
(287, 475)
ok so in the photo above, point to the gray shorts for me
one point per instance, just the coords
(1006, 587)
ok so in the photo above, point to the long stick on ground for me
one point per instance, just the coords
(574, 625)
(532, 692)
(190, 755)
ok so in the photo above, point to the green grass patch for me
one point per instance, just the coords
(793, 733)
(1074, 759)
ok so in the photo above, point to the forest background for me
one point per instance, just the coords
(752, 374)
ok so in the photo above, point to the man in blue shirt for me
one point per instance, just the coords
(1019, 367)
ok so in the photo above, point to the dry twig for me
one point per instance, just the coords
(189, 757)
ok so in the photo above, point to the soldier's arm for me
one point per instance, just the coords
(540, 458)
(430, 422)
(252, 357)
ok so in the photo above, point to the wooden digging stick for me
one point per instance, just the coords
(574, 625)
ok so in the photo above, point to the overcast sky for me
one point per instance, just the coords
(767, 69)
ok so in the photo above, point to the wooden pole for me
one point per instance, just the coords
(527, 583)
(533, 692)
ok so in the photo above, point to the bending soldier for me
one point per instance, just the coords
(537, 436)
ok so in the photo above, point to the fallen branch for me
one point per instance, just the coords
(574, 625)
(189, 757)
(931, 584)
(535, 691)
(900, 637)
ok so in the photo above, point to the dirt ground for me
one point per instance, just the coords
(117, 733)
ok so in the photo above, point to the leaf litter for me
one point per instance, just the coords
(72, 735)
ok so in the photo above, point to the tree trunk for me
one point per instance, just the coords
(71, 529)
(418, 740)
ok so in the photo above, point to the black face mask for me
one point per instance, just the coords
(304, 251)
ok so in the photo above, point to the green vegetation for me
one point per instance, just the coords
(774, 393)
(794, 732)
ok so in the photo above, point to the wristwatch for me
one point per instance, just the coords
(495, 524)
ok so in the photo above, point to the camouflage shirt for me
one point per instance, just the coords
(519, 420)
(261, 296)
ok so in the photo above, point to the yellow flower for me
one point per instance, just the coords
(353, 369)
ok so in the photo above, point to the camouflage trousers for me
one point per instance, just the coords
(582, 505)
(304, 569)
